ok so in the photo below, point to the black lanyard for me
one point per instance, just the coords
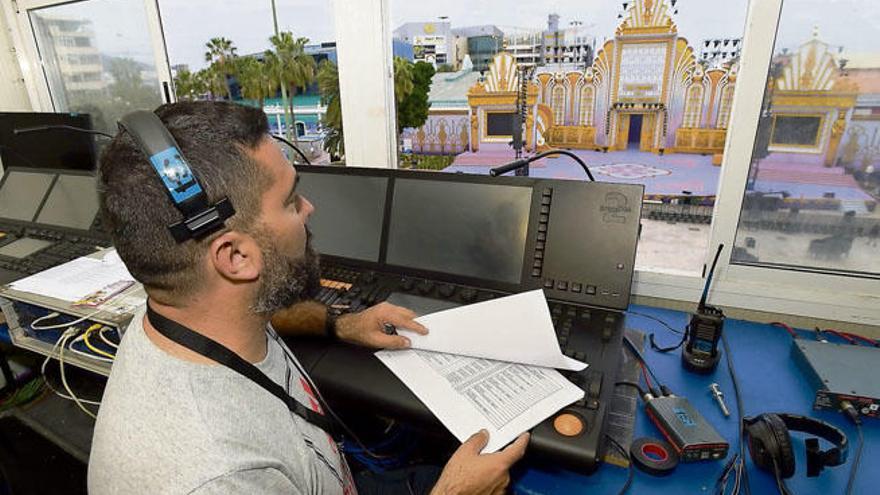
(215, 351)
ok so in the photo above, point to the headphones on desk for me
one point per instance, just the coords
(770, 446)
(200, 218)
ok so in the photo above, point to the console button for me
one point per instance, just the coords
(545, 209)
(545, 200)
(542, 227)
(576, 287)
(544, 219)
(536, 272)
(591, 290)
(542, 236)
(538, 263)
(539, 255)
(562, 285)
(548, 283)
(568, 424)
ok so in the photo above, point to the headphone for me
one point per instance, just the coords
(200, 218)
(770, 445)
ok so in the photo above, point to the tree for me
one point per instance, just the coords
(403, 79)
(221, 55)
(328, 84)
(255, 80)
(296, 68)
(189, 85)
(214, 80)
(412, 111)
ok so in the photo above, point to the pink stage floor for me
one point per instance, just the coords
(799, 175)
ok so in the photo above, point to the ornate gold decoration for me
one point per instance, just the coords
(837, 130)
(689, 140)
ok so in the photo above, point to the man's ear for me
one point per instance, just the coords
(236, 256)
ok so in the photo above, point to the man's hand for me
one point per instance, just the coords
(470, 473)
(366, 328)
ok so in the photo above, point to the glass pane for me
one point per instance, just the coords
(640, 90)
(814, 182)
(97, 58)
(223, 50)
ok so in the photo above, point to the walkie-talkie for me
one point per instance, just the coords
(700, 352)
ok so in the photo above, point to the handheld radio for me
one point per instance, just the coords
(700, 353)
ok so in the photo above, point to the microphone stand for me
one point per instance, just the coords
(523, 162)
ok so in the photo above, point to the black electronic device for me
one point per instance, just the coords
(685, 428)
(55, 148)
(700, 352)
(770, 446)
(838, 374)
(452, 239)
(47, 217)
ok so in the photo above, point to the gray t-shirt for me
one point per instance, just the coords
(172, 426)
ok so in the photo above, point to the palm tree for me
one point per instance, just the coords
(403, 78)
(328, 84)
(221, 55)
(213, 79)
(189, 85)
(255, 81)
(296, 68)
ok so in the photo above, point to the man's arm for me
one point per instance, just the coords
(362, 328)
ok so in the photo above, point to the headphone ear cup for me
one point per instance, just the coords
(762, 444)
(785, 459)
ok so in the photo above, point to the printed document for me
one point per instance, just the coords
(77, 279)
(515, 328)
(468, 394)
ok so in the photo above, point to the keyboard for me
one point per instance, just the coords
(63, 248)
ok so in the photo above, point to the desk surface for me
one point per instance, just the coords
(770, 382)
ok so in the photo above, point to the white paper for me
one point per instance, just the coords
(515, 328)
(468, 394)
(75, 279)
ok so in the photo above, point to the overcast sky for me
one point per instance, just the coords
(188, 24)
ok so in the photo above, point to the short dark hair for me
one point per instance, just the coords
(214, 138)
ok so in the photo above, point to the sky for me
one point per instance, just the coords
(188, 24)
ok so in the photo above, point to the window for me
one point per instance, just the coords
(225, 50)
(558, 105)
(97, 58)
(638, 91)
(726, 105)
(811, 199)
(694, 108)
(586, 105)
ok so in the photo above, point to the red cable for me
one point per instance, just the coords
(841, 335)
(862, 338)
(645, 375)
(786, 327)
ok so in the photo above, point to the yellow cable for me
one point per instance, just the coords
(93, 348)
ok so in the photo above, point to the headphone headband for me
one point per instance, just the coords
(180, 182)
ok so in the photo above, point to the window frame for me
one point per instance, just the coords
(368, 112)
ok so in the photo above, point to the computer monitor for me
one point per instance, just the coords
(72, 203)
(465, 229)
(347, 221)
(55, 148)
(22, 192)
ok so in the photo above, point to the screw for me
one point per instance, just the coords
(719, 398)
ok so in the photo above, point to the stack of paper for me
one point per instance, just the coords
(79, 279)
(488, 365)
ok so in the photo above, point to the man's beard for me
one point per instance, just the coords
(285, 280)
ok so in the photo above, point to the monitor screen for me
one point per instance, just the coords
(56, 148)
(22, 248)
(72, 203)
(347, 221)
(22, 193)
(473, 230)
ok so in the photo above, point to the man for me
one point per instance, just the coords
(175, 421)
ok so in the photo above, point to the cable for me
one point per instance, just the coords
(787, 328)
(741, 471)
(862, 338)
(92, 348)
(49, 384)
(647, 380)
(847, 338)
(61, 325)
(632, 347)
(495, 172)
(287, 142)
(856, 461)
(631, 473)
(633, 385)
(73, 396)
(25, 130)
(658, 320)
(106, 340)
